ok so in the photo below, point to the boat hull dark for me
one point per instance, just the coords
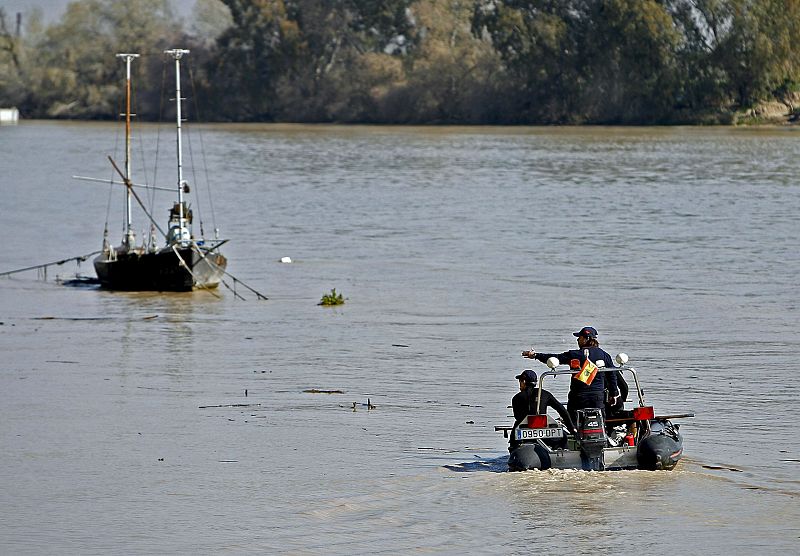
(659, 452)
(528, 456)
(161, 271)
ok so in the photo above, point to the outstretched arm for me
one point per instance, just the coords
(563, 358)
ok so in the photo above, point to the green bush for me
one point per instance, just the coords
(332, 298)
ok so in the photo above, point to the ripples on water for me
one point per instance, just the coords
(456, 249)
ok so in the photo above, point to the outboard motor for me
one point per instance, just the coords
(592, 438)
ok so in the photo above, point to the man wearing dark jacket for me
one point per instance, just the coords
(524, 403)
(586, 389)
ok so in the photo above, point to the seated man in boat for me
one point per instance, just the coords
(524, 404)
(588, 386)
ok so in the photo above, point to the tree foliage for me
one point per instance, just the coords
(417, 61)
(452, 76)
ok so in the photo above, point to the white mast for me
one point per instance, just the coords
(129, 239)
(178, 53)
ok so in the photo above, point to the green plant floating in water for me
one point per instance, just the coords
(333, 298)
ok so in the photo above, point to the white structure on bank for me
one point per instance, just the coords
(9, 115)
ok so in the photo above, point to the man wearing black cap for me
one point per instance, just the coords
(524, 403)
(587, 387)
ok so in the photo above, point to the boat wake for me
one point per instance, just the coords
(495, 465)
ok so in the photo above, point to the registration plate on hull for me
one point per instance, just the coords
(539, 434)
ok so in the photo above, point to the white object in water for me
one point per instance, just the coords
(622, 358)
(286, 259)
(552, 362)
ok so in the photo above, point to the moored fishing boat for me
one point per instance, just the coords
(184, 262)
(634, 438)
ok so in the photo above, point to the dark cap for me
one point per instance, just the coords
(586, 331)
(528, 375)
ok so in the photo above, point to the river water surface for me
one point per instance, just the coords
(456, 248)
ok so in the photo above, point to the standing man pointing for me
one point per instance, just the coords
(587, 387)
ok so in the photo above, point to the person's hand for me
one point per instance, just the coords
(530, 354)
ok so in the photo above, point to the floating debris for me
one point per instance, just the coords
(332, 299)
(286, 260)
(369, 405)
(230, 405)
(722, 468)
(315, 391)
(149, 317)
(71, 318)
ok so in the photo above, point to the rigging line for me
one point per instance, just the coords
(233, 290)
(259, 295)
(135, 196)
(140, 141)
(202, 149)
(235, 279)
(108, 203)
(116, 152)
(79, 258)
(189, 135)
(189, 270)
(194, 180)
(147, 235)
(158, 126)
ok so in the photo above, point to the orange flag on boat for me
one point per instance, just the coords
(587, 373)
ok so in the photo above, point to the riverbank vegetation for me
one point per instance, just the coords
(417, 61)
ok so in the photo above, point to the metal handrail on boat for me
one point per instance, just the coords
(554, 372)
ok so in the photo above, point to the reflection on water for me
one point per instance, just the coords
(188, 423)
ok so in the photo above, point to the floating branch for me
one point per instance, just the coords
(315, 391)
(230, 405)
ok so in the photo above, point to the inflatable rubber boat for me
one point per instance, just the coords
(634, 438)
